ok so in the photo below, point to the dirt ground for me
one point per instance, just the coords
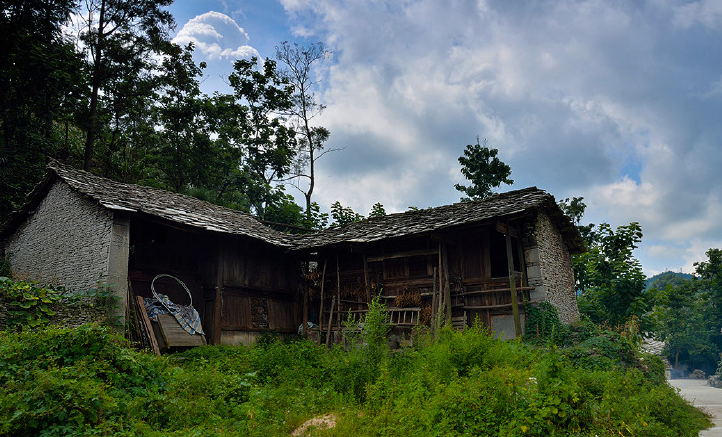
(706, 398)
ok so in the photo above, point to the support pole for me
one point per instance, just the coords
(447, 285)
(512, 286)
(366, 280)
(330, 322)
(320, 311)
(338, 293)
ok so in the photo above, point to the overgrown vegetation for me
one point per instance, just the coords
(29, 304)
(87, 381)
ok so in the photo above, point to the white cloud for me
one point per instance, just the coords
(706, 12)
(614, 101)
(217, 36)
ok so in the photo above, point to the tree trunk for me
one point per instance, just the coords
(96, 81)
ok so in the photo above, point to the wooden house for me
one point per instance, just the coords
(469, 254)
(82, 231)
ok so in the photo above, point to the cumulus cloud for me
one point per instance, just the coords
(614, 101)
(217, 36)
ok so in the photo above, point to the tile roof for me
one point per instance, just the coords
(178, 208)
(186, 210)
(408, 223)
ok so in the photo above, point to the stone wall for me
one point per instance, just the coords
(68, 312)
(65, 242)
(549, 268)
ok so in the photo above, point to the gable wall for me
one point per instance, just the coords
(66, 241)
(549, 268)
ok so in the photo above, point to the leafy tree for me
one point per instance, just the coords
(688, 318)
(343, 215)
(483, 169)
(298, 62)
(574, 209)
(610, 281)
(253, 132)
(377, 210)
(316, 220)
(185, 155)
(40, 93)
(120, 35)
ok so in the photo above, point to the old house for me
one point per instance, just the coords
(82, 231)
(461, 253)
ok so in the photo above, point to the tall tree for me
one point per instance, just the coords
(185, 156)
(298, 64)
(252, 130)
(40, 77)
(483, 169)
(610, 281)
(118, 31)
(688, 316)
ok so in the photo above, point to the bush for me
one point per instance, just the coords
(29, 304)
(87, 381)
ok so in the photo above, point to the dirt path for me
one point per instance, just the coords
(707, 398)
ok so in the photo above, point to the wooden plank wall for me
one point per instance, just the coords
(407, 266)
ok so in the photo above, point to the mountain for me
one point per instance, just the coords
(661, 280)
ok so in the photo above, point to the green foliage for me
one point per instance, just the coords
(29, 304)
(86, 381)
(687, 317)
(377, 210)
(480, 165)
(543, 325)
(5, 269)
(343, 215)
(610, 281)
(40, 93)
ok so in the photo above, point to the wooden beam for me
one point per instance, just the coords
(217, 302)
(330, 322)
(405, 254)
(512, 285)
(506, 229)
(146, 325)
(338, 293)
(447, 283)
(366, 279)
(320, 311)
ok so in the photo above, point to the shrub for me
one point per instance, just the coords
(29, 304)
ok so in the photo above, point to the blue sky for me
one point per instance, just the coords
(618, 102)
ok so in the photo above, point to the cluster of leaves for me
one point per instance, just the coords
(687, 317)
(115, 96)
(28, 303)
(609, 277)
(87, 381)
(480, 165)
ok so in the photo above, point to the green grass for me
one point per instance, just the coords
(87, 381)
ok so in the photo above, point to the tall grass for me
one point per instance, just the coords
(87, 381)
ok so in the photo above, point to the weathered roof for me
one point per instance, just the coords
(175, 207)
(416, 222)
(186, 210)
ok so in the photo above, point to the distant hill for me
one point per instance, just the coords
(661, 280)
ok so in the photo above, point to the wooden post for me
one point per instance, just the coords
(366, 280)
(512, 285)
(330, 322)
(217, 303)
(447, 285)
(320, 311)
(338, 293)
(304, 329)
(441, 281)
(522, 263)
(434, 301)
